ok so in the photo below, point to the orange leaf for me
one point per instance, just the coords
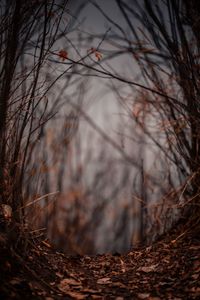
(63, 54)
(98, 55)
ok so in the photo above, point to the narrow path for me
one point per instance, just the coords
(169, 269)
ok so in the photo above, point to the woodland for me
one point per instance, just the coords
(99, 149)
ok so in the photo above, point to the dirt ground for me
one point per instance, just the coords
(168, 269)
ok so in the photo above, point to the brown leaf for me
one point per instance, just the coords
(195, 290)
(143, 295)
(195, 276)
(59, 275)
(76, 295)
(65, 284)
(105, 280)
(90, 291)
(195, 247)
(119, 284)
(123, 267)
(16, 281)
(63, 54)
(148, 269)
(70, 281)
(98, 55)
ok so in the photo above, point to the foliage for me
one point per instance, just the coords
(163, 39)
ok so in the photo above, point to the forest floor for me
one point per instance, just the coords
(168, 269)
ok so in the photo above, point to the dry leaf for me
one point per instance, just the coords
(195, 276)
(76, 295)
(65, 284)
(123, 266)
(89, 291)
(195, 247)
(119, 284)
(70, 281)
(105, 280)
(195, 290)
(143, 295)
(59, 275)
(149, 269)
(16, 281)
(98, 55)
(63, 54)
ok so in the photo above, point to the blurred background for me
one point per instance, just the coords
(99, 158)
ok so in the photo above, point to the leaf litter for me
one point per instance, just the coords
(163, 270)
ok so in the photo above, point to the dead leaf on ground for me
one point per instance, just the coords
(65, 284)
(143, 295)
(105, 280)
(195, 247)
(90, 291)
(195, 276)
(148, 269)
(119, 284)
(123, 267)
(59, 275)
(16, 281)
(195, 290)
(76, 295)
(70, 281)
